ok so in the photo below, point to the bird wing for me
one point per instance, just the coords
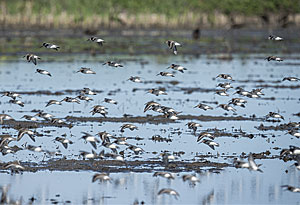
(175, 50)
(94, 144)
(31, 137)
(251, 161)
(212, 146)
(34, 61)
(20, 135)
(65, 145)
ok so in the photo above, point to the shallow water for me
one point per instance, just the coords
(230, 186)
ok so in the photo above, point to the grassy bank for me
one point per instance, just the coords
(147, 13)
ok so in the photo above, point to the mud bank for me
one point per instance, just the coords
(136, 119)
(112, 166)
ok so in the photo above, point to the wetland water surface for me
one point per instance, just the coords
(65, 176)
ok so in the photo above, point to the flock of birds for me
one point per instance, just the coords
(112, 142)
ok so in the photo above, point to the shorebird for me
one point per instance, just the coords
(167, 74)
(96, 40)
(116, 157)
(85, 98)
(99, 109)
(88, 91)
(171, 116)
(9, 150)
(193, 126)
(104, 136)
(273, 58)
(43, 72)
(222, 92)
(110, 101)
(25, 131)
(11, 95)
(51, 46)
(158, 109)
(294, 124)
(44, 115)
(166, 157)
(5, 140)
(86, 71)
(226, 86)
(112, 64)
(227, 107)
(177, 67)
(205, 134)
(203, 107)
(253, 94)
(225, 76)
(101, 177)
(157, 92)
(34, 148)
(274, 115)
(173, 46)
(169, 110)
(32, 57)
(88, 155)
(291, 188)
(295, 133)
(128, 126)
(188, 177)
(15, 166)
(275, 38)
(257, 91)
(210, 143)
(53, 102)
(293, 150)
(70, 100)
(111, 146)
(121, 141)
(293, 79)
(238, 163)
(58, 121)
(90, 138)
(31, 118)
(135, 149)
(252, 164)
(5, 117)
(17, 102)
(170, 192)
(150, 105)
(65, 142)
(135, 79)
(242, 92)
(166, 175)
(238, 102)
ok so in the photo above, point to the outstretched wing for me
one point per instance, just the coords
(175, 50)
(34, 61)
(94, 144)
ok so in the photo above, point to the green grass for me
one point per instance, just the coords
(84, 12)
(87, 8)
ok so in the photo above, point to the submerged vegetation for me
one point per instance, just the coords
(147, 13)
